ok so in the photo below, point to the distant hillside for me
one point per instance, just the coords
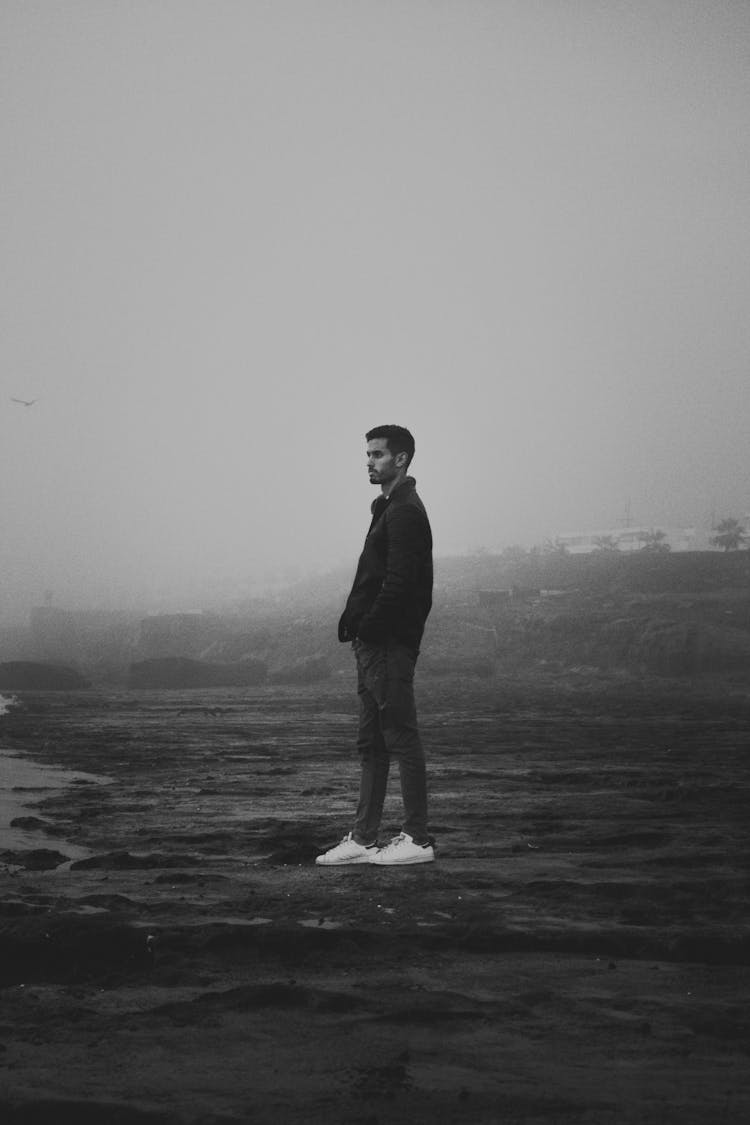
(666, 614)
(689, 571)
(639, 614)
(670, 615)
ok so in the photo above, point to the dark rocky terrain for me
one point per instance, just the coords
(579, 952)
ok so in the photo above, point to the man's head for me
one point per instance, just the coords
(389, 453)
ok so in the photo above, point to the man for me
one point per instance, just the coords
(384, 619)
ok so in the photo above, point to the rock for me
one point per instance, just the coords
(28, 675)
(36, 859)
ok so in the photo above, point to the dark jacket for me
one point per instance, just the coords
(392, 591)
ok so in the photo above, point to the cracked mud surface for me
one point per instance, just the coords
(579, 952)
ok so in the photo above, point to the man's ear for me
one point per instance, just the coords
(401, 459)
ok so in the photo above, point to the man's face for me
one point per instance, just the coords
(382, 465)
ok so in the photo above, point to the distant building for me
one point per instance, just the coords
(178, 634)
(626, 539)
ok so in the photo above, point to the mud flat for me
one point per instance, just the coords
(579, 952)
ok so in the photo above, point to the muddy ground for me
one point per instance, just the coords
(169, 952)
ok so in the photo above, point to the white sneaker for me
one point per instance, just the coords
(402, 849)
(348, 851)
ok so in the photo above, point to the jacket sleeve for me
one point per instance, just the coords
(406, 544)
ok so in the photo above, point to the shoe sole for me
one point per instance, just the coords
(403, 862)
(343, 862)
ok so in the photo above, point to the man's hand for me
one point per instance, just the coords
(345, 633)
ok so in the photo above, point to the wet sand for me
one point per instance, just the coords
(579, 952)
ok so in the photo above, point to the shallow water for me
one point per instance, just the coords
(22, 784)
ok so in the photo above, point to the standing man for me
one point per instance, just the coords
(384, 619)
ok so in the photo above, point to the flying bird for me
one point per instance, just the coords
(24, 401)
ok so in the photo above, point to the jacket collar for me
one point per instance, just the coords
(400, 492)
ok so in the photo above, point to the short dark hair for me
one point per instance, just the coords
(398, 439)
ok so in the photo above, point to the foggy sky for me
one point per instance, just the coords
(236, 235)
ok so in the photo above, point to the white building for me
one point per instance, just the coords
(626, 539)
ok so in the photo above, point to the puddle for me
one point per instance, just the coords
(22, 783)
(320, 924)
(6, 702)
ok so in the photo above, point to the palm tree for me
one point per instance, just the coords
(654, 542)
(605, 544)
(730, 534)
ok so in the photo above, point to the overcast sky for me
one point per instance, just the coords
(236, 235)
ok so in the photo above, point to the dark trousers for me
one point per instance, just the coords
(388, 726)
